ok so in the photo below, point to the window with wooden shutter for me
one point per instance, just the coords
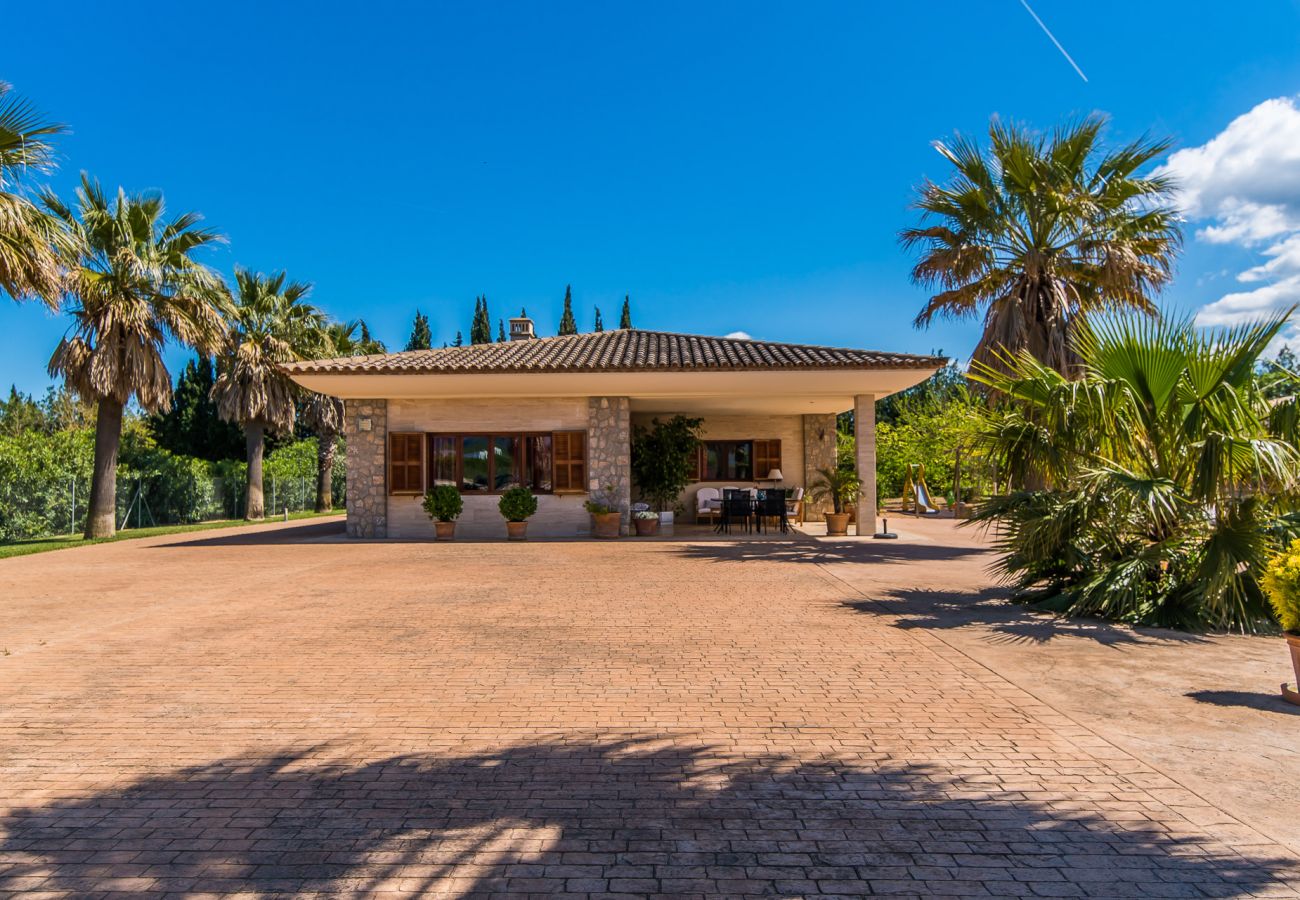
(767, 456)
(405, 463)
(570, 449)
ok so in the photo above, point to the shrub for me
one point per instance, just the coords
(601, 504)
(1282, 583)
(663, 458)
(517, 504)
(443, 503)
(843, 488)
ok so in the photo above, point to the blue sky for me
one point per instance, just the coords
(732, 166)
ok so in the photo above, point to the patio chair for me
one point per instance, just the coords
(772, 506)
(708, 503)
(794, 506)
(737, 509)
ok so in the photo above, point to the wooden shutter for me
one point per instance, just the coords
(570, 460)
(767, 456)
(405, 463)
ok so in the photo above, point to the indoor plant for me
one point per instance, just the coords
(843, 487)
(663, 461)
(517, 504)
(1282, 584)
(606, 520)
(646, 522)
(443, 503)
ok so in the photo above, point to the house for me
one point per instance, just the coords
(557, 414)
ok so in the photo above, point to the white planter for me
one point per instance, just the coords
(666, 519)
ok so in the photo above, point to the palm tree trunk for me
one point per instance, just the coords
(253, 505)
(101, 520)
(325, 449)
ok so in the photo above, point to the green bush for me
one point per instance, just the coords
(37, 472)
(517, 504)
(443, 503)
(1282, 583)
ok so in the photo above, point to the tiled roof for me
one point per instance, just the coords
(621, 350)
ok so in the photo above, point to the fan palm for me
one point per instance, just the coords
(1169, 476)
(1035, 232)
(133, 283)
(29, 236)
(271, 323)
(324, 414)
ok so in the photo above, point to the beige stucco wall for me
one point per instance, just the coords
(788, 429)
(557, 515)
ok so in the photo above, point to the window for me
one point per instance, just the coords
(744, 460)
(405, 463)
(492, 463)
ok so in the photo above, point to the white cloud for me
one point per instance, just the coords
(1243, 186)
(740, 336)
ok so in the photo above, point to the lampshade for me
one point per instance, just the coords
(775, 475)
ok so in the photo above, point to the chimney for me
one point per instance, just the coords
(521, 328)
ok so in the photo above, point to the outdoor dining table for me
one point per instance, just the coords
(754, 509)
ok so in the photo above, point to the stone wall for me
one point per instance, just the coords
(609, 451)
(365, 427)
(818, 453)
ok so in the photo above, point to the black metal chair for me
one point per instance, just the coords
(773, 506)
(737, 509)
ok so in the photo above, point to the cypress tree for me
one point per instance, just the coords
(459, 342)
(421, 336)
(600, 326)
(626, 320)
(501, 332)
(480, 330)
(568, 324)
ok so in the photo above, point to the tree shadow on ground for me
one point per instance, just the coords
(313, 533)
(635, 815)
(823, 551)
(1252, 699)
(1005, 621)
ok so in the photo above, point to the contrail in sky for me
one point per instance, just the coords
(1046, 31)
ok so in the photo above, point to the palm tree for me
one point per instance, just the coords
(1035, 232)
(30, 238)
(1169, 476)
(271, 323)
(324, 414)
(133, 283)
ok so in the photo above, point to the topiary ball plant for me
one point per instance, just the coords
(443, 503)
(517, 504)
(1282, 583)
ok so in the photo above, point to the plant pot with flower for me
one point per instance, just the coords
(1282, 584)
(444, 505)
(646, 522)
(606, 520)
(516, 505)
(843, 488)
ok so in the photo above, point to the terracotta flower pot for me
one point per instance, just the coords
(1292, 692)
(605, 525)
(445, 531)
(837, 524)
(517, 531)
(646, 527)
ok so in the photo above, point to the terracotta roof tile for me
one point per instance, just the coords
(622, 350)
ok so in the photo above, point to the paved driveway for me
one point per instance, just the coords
(286, 712)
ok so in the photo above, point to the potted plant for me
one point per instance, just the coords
(517, 504)
(606, 520)
(444, 504)
(663, 461)
(1282, 584)
(646, 522)
(843, 488)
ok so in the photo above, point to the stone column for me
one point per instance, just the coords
(818, 453)
(365, 428)
(609, 451)
(864, 426)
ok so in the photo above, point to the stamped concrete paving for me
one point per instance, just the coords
(286, 713)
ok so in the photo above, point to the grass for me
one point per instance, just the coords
(63, 542)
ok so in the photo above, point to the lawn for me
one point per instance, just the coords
(63, 542)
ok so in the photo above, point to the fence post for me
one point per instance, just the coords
(72, 517)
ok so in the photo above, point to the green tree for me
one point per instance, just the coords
(1279, 377)
(30, 238)
(663, 458)
(21, 414)
(324, 414)
(501, 332)
(480, 330)
(271, 324)
(568, 324)
(192, 426)
(367, 345)
(599, 326)
(625, 320)
(1036, 231)
(1168, 476)
(421, 337)
(459, 342)
(133, 284)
